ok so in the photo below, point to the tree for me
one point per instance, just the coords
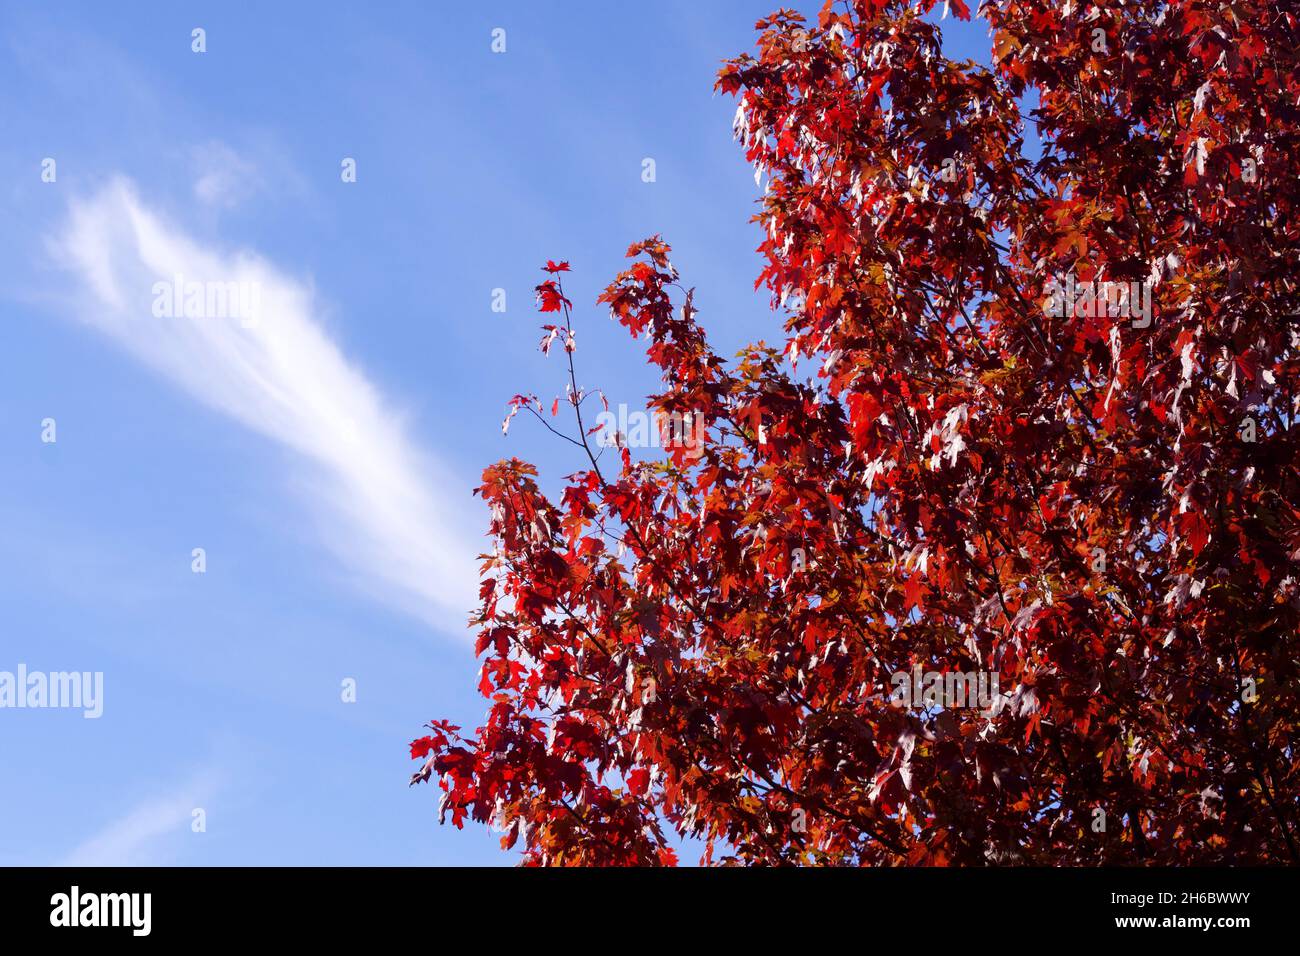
(1045, 434)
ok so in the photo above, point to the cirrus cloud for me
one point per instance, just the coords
(391, 511)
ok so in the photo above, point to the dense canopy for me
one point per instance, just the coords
(1034, 419)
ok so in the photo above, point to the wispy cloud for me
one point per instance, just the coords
(224, 177)
(149, 833)
(388, 509)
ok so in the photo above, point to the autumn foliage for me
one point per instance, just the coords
(935, 470)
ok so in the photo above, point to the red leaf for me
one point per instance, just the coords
(638, 780)
(912, 592)
(1195, 529)
(549, 297)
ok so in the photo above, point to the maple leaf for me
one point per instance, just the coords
(1196, 529)
(549, 297)
(638, 781)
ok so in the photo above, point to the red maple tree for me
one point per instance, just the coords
(958, 462)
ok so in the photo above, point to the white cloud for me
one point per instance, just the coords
(388, 510)
(224, 178)
(147, 836)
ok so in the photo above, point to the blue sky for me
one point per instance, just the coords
(324, 459)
